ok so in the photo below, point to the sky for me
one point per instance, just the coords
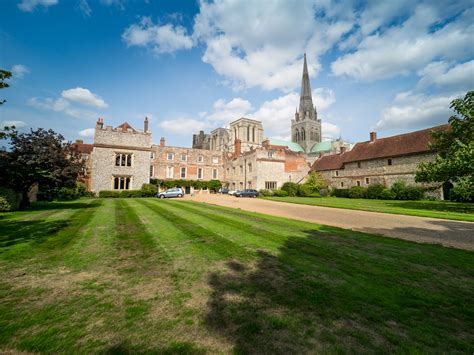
(385, 66)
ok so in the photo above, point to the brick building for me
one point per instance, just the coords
(85, 153)
(379, 160)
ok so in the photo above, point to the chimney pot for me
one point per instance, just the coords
(237, 147)
(373, 136)
(145, 125)
(162, 141)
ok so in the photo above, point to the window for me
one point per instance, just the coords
(367, 181)
(241, 185)
(200, 173)
(250, 167)
(152, 155)
(152, 171)
(184, 157)
(358, 164)
(249, 183)
(342, 184)
(215, 160)
(183, 173)
(337, 173)
(215, 174)
(121, 183)
(270, 154)
(241, 169)
(270, 185)
(200, 159)
(358, 183)
(233, 170)
(169, 172)
(170, 156)
(123, 159)
(389, 161)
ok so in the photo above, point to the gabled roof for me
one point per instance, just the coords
(295, 147)
(404, 144)
(125, 127)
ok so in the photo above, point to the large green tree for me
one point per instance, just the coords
(454, 162)
(4, 75)
(38, 157)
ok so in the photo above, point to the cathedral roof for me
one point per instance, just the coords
(403, 144)
(323, 146)
(295, 147)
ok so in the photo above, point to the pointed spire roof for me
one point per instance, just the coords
(306, 99)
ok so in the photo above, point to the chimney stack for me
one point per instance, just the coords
(162, 141)
(145, 125)
(100, 123)
(373, 136)
(237, 147)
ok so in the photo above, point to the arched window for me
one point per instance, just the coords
(253, 134)
(297, 135)
(303, 134)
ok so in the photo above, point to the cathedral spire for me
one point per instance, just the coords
(306, 101)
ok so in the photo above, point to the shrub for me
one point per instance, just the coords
(214, 185)
(13, 198)
(148, 190)
(291, 188)
(304, 190)
(280, 193)
(81, 190)
(463, 191)
(131, 193)
(358, 192)
(404, 192)
(265, 192)
(67, 193)
(374, 191)
(316, 181)
(4, 204)
(387, 194)
(109, 194)
(340, 193)
(323, 192)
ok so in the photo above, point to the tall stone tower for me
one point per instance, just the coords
(306, 128)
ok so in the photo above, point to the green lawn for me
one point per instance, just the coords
(145, 275)
(435, 209)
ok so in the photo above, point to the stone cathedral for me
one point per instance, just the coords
(306, 127)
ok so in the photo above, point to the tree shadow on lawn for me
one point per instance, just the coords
(327, 292)
(440, 206)
(57, 205)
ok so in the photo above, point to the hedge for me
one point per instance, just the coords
(399, 191)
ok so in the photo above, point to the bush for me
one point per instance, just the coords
(265, 192)
(387, 194)
(13, 198)
(291, 188)
(374, 191)
(4, 204)
(358, 192)
(323, 192)
(131, 193)
(148, 190)
(340, 193)
(304, 190)
(280, 193)
(67, 193)
(463, 191)
(404, 192)
(109, 194)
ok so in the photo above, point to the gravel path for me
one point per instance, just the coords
(455, 234)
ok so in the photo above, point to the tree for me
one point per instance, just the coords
(315, 181)
(455, 151)
(4, 75)
(38, 157)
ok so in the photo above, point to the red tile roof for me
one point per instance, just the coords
(403, 144)
(125, 127)
(82, 148)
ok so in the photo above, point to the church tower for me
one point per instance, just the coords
(306, 128)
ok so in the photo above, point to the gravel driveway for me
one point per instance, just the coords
(419, 229)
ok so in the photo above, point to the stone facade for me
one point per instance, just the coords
(201, 140)
(175, 163)
(120, 155)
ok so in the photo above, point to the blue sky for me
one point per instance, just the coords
(389, 66)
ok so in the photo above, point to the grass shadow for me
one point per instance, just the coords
(56, 205)
(330, 293)
(15, 232)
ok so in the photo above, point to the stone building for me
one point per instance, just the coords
(178, 163)
(220, 140)
(265, 167)
(201, 140)
(306, 127)
(379, 160)
(120, 157)
(85, 153)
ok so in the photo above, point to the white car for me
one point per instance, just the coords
(232, 192)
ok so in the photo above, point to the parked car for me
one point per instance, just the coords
(176, 192)
(232, 192)
(223, 190)
(246, 193)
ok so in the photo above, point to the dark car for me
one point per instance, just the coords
(223, 190)
(246, 193)
(176, 192)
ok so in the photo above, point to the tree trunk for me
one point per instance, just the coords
(25, 201)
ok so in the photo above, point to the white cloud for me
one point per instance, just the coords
(85, 8)
(88, 132)
(84, 96)
(19, 70)
(17, 124)
(323, 98)
(447, 76)
(408, 47)
(184, 126)
(229, 111)
(60, 105)
(411, 110)
(162, 39)
(30, 5)
(330, 131)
